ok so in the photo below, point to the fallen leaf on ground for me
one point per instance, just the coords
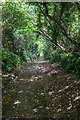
(17, 102)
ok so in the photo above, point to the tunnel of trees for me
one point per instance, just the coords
(35, 30)
(47, 32)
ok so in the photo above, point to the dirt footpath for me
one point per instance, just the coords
(42, 90)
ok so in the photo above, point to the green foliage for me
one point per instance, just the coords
(24, 57)
(71, 63)
(18, 28)
(55, 56)
(47, 51)
(52, 54)
(68, 60)
(33, 30)
(9, 59)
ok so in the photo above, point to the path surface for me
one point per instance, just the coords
(43, 90)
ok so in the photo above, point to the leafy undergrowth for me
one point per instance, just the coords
(9, 59)
(69, 61)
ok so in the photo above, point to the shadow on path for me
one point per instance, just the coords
(43, 90)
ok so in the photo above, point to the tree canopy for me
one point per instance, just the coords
(41, 29)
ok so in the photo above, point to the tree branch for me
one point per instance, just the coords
(46, 17)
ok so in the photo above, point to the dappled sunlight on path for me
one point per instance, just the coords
(43, 90)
